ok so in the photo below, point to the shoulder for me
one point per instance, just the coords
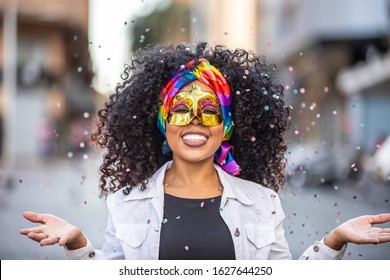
(250, 187)
(153, 188)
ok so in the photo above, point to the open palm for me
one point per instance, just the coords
(53, 230)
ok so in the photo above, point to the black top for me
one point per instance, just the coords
(193, 229)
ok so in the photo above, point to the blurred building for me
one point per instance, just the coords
(314, 41)
(45, 91)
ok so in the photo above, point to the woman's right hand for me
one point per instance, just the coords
(53, 230)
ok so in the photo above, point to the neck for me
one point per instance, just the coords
(192, 180)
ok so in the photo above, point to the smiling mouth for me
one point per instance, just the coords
(192, 139)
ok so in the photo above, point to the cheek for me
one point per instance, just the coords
(217, 132)
(171, 133)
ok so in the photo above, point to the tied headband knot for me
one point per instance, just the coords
(206, 73)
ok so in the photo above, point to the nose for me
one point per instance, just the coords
(195, 121)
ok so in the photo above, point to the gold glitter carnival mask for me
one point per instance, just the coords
(193, 103)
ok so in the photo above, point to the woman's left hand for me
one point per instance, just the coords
(359, 230)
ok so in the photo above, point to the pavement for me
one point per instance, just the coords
(69, 189)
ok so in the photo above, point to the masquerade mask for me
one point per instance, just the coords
(195, 102)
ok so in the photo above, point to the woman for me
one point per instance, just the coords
(202, 183)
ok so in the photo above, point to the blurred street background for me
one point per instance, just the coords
(61, 59)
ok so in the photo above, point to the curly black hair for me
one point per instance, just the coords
(127, 125)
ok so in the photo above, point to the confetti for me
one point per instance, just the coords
(165, 221)
(86, 115)
(178, 217)
(212, 200)
(322, 180)
(186, 248)
(326, 89)
(253, 139)
(201, 204)
(70, 154)
(85, 156)
(79, 69)
(290, 68)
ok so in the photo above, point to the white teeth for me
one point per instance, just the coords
(194, 137)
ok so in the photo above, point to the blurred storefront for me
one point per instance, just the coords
(45, 86)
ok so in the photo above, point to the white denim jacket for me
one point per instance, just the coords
(252, 213)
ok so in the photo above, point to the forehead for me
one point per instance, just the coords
(203, 86)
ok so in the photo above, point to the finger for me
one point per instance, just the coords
(383, 238)
(34, 217)
(49, 240)
(63, 240)
(375, 238)
(380, 219)
(26, 231)
(36, 236)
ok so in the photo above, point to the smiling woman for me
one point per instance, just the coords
(194, 141)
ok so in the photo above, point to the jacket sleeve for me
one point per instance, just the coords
(111, 248)
(320, 251)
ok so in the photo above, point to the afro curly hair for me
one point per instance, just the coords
(127, 125)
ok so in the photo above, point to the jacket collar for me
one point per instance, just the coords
(155, 187)
(232, 188)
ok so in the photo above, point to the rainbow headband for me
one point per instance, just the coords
(211, 76)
